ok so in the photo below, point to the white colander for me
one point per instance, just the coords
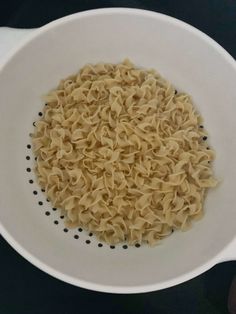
(182, 54)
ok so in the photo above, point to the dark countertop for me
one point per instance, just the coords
(26, 290)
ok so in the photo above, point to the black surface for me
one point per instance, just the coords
(23, 288)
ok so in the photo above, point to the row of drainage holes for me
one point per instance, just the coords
(76, 236)
(47, 213)
(28, 158)
(125, 247)
(56, 222)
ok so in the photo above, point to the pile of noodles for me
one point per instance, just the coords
(122, 154)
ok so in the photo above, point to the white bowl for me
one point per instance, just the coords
(192, 62)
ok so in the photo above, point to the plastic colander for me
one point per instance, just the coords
(194, 63)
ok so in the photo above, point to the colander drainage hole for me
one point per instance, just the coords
(35, 192)
(100, 245)
(112, 247)
(40, 114)
(28, 169)
(54, 209)
(34, 123)
(125, 247)
(87, 241)
(43, 190)
(76, 236)
(56, 222)
(80, 229)
(65, 230)
(27, 157)
(137, 245)
(28, 146)
(47, 213)
(90, 234)
(61, 217)
(40, 203)
(31, 181)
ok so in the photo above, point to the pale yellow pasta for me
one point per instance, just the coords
(122, 154)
